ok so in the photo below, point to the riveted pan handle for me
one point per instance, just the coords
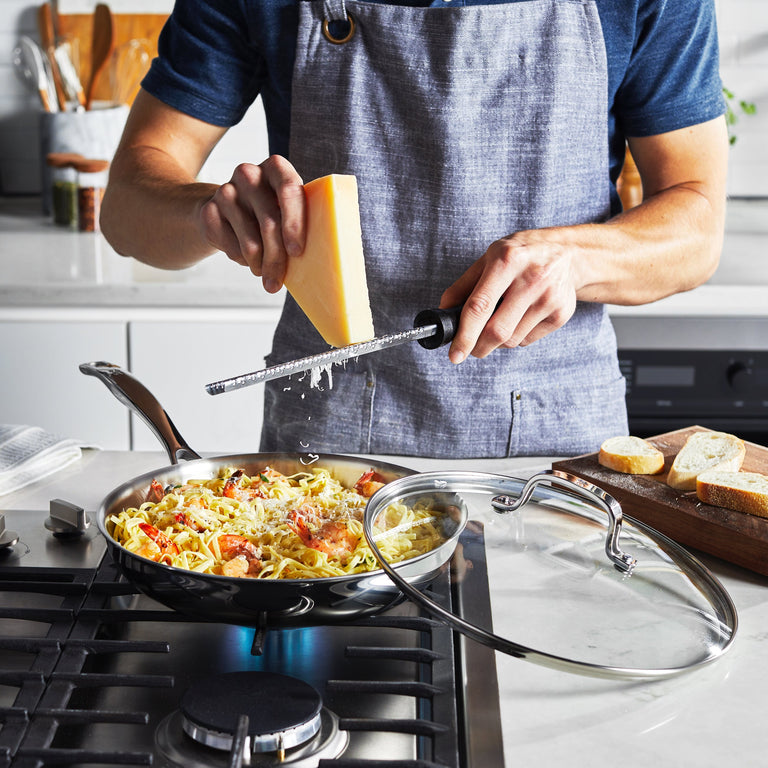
(131, 392)
(597, 496)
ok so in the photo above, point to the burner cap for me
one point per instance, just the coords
(282, 711)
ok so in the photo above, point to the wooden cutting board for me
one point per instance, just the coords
(733, 536)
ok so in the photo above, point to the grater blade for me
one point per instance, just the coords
(320, 360)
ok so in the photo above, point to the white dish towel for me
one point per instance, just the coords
(28, 454)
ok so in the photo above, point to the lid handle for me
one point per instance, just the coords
(579, 487)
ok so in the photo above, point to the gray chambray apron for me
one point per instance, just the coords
(462, 125)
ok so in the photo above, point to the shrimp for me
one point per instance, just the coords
(241, 556)
(234, 490)
(160, 547)
(332, 537)
(155, 494)
(369, 483)
(184, 519)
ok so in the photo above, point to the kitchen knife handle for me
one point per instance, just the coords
(447, 322)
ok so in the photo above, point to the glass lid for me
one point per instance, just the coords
(573, 584)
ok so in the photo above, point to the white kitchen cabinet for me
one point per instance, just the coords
(175, 360)
(42, 386)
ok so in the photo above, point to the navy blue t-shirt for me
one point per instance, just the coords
(216, 58)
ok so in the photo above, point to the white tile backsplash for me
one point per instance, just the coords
(744, 66)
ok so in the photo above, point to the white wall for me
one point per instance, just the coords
(743, 27)
(744, 47)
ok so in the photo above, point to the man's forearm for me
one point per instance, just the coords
(672, 241)
(151, 210)
(669, 244)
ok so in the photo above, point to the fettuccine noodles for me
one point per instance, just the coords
(272, 526)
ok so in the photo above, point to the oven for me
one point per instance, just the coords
(722, 389)
(94, 673)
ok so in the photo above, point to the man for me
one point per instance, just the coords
(486, 140)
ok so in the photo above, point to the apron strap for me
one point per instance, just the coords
(334, 10)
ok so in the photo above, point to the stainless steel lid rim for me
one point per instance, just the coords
(688, 597)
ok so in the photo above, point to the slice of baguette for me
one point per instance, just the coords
(631, 455)
(742, 491)
(703, 451)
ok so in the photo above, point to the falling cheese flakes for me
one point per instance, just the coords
(316, 374)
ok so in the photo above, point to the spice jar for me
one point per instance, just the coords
(91, 183)
(64, 187)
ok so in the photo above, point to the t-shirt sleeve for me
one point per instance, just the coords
(206, 66)
(673, 77)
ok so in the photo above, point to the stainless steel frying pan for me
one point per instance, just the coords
(247, 601)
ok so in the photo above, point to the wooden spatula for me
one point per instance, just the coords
(102, 45)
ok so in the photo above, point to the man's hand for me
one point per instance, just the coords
(531, 272)
(670, 243)
(156, 210)
(258, 218)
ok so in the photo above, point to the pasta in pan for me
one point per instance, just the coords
(272, 526)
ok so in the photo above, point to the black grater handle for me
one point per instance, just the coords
(447, 322)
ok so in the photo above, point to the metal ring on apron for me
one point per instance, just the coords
(339, 40)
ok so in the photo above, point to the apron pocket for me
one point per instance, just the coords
(568, 420)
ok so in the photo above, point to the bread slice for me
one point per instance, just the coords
(703, 451)
(742, 491)
(632, 455)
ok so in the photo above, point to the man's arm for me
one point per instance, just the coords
(155, 211)
(668, 244)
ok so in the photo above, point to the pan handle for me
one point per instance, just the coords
(131, 392)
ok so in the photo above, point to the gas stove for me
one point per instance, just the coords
(94, 673)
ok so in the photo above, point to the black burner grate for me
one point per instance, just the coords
(71, 682)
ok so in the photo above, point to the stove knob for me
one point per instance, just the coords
(739, 375)
(66, 519)
(7, 538)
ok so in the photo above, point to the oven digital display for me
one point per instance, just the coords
(665, 375)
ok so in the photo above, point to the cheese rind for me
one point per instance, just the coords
(328, 279)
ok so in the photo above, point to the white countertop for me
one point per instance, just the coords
(708, 718)
(52, 273)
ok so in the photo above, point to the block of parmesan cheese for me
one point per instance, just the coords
(328, 279)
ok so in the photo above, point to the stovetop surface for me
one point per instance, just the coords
(90, 670)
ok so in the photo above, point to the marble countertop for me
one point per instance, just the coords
(50, 272)
(707, 718)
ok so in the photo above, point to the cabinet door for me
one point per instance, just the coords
(175, 360)
(42, 386)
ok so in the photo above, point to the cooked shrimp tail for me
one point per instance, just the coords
(185, 519)
(163, 548)
(156, 493)
(234, 488)
(241, 556)
(332, 537)
(369, 483)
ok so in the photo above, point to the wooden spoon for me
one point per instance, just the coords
(102, 46)
(48, 38)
